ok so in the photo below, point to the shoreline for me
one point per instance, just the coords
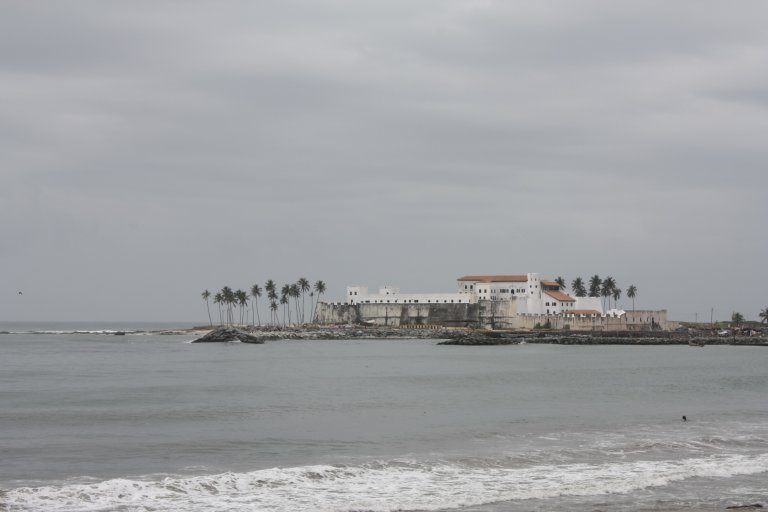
(443, 335)
(463, 336)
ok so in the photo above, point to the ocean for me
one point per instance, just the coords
(90, 421)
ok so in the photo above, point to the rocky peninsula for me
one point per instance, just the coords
(457, 336)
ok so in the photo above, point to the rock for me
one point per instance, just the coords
(481, 338)
(225, 334)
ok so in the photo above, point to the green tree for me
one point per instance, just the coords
(241, 299)
(273, 310)
(294, 292)
(632, 293)
(285, 303)
(218, 299)
(256, 293)
(607, 289)
(594, 285)
(206, 294)
(320, 289)
(764, 315)
(616, 296)
(271, 288)
(285, 293)
(578, 288)
(560, 283)
(737, 318)
(304, 287)
(228, 298)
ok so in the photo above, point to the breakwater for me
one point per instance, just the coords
(463, 336)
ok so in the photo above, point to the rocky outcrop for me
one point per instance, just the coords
(482, 338)
(467, 336)
(225, 334)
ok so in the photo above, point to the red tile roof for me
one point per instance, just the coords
(564, 297)
(496, 279)
(550, 283)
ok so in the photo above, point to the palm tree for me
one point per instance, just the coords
(285, 293)
(241, 299)
(294, 292)
(271, 288)
(577, 286)
(616, 296)
(737, 318)
(205, 296)
(594, 285)
(219, 299)
(228, 297)
(284, 302)
(764, 315)
(256, 293)
(607, 289)
(560, 282)
(632, 293)
(304, 287)
(320, 289)
(273, 310)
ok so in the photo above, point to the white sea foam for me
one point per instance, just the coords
(380, 487)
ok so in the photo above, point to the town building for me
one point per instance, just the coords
(519, 301)
(531, 294)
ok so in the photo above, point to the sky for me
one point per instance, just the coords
(152, 150)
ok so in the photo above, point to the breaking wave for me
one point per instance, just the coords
(397, 485)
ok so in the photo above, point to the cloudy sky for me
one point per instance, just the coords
(151, 150)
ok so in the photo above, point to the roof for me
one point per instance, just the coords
(582, 312)
(496, 279)
(563, 297)
(550, 283)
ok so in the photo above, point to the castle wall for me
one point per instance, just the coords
(485, 314)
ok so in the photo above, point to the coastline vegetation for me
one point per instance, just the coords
(234, 303)
(606, 288)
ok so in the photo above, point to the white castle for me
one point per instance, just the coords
(531, 295)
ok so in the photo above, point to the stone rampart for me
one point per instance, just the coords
(485, 314)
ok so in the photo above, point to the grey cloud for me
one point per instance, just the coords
(175, 148)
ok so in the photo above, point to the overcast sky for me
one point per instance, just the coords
(151, 150)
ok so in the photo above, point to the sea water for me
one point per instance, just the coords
(90, 421)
